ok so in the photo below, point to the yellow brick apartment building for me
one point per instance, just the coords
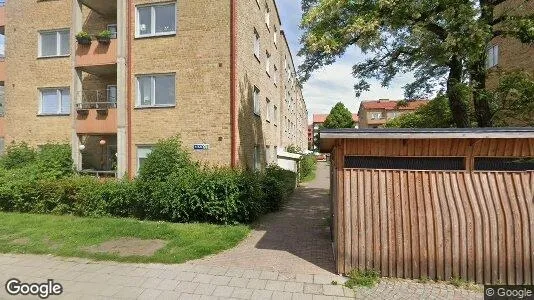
(218, 73)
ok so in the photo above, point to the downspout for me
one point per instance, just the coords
(233, 81)
(129, 89)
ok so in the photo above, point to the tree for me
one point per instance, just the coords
(442, 41)
(436, 114)
(512, 103)
(339, 117)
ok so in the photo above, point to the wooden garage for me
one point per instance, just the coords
(434, 203)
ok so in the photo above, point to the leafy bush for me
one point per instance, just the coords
(308, 166)
(171, 188)
(17, 156)
(166, 158)
(367, 278)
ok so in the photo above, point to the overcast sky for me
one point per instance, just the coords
(333, 83)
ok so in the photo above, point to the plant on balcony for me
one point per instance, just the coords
(104, 37)
(83, 38)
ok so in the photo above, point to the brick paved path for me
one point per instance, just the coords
(288, 256)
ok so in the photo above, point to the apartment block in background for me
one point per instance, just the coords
(220, 75)
(376, 113)
(505, 54)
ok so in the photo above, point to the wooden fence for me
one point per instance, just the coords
(478, 226)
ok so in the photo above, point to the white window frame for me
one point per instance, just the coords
(109, 87)
(257, 158)
(275, 75)
(267, 16)
(114, 35)
(59, 100)
(153, 95)
(275, 36)
(268, 63)
(492, 59)
(145, 149)
(153, 20)
(256, 101)
(275, 115)
(257, 44)
(376, 116)
(58, 43)
(269, 104)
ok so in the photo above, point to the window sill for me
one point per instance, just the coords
(257, 58)
(54, 56)
(53, 115)
(154, 106)
(269, 75)
(257, 114)
(147, 36)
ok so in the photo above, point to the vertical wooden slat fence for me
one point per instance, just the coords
(478, 226)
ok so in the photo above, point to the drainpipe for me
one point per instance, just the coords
(129, 88)
(233, 81)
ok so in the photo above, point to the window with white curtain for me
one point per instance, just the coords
(156, 20)
(492, 56)
(55, 101)
(256, 99)
(54, 43)
(268, 63)
(256, 44)
(142, 154)
(156, 90)
(269, 110)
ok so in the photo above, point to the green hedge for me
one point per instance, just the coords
(179, 192)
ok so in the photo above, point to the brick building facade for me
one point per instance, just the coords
(376, 113)
(220, 75)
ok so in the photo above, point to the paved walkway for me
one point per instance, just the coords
(287, 256)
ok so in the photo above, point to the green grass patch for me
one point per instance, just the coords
(309, 177)
(70, 236)
(366, 278)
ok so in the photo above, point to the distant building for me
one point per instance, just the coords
(376, 113)
(508, 53)
(318, 121)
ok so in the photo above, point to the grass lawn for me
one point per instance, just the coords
(72, 236)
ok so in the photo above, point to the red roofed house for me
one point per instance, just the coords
(376, 113)
(319, 119)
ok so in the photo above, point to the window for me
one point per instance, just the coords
(504, 163)
(113, 29)
(112, 93)
(275, 36)
(142, 153)
(275, 115)
(267, 16)
(155, 20)
(269, 110)
(268, 63)
(493, 56)
(156, 90)
(257, 103)
(54, 43)
(257, 158)
(256, 44)
(376, 115)
(268, 154)
(55, 101)
(275, 76)
(405, 163)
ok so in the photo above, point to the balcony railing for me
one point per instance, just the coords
(97, 57)
(98, 99)
(97, 113)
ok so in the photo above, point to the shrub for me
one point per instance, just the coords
(367, 278)
(18, 155)
(308, 166)
(172, 188)
(166, 158)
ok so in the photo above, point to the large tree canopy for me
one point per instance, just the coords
(339, 117)
(443, 42)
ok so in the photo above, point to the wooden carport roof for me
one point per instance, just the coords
(328, 136)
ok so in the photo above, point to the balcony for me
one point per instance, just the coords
(103, 7)
(97, 114)
(97, 58)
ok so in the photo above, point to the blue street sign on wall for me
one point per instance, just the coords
(201, 147)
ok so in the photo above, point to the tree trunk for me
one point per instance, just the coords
(480, 97)
(478, 74)
(457, 102)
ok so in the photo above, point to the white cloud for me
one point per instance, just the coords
(333, 83)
